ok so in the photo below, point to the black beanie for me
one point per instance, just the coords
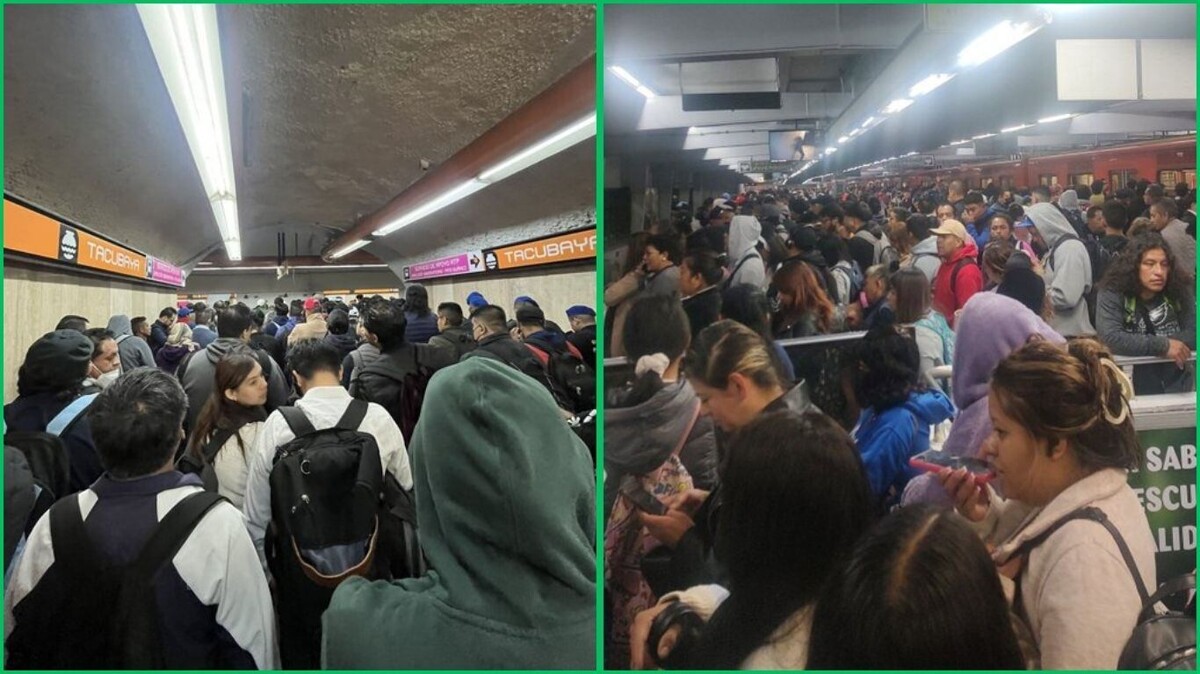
(57, 361)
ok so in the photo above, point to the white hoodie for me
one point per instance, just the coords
(744, 233)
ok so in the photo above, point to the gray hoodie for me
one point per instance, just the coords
(134, 351)
(744, 232)
(199, 378)
(925, 257)
(639, 439)
(1068, 274)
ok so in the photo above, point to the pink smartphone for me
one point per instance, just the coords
(932, 460)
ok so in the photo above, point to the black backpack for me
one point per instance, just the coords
(569, 372)
(405, 411)
(1158, 641)
(93, 614)
(334, 515)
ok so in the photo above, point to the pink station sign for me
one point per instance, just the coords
(163, 272)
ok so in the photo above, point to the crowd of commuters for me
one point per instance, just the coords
(762, 507)
(196, 487)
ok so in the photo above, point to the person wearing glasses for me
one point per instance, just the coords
(1146, 308)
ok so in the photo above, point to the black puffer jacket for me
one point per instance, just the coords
(382, 382)
(343, 343)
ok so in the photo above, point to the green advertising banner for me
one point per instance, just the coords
(1166, 486)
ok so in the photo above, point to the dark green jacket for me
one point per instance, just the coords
(506, 512)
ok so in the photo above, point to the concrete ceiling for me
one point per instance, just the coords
(332, 109)
(840, 64)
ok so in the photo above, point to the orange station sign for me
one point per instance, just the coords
(30, 232)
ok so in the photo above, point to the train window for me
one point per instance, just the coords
(1081, 179)
(1047, 179)
(1006, 182)
(1169, 178)
(1122, 178)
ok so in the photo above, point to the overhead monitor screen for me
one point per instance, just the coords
(792, 146)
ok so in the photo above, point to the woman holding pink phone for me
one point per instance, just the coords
(1070, 522)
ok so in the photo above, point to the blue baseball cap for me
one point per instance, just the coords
(525, 299)
(580, 310)
(476, 299)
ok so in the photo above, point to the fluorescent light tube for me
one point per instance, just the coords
(350, 248)
(575, 133)
(187, 47)
(830, 150)
(1015, 128)
(994, 42)
(982, 136)
(866, 123)
(897, 105)
(960, 142)
(1056, 118)
(631, 81)
(843, 139)
(429, 207)
(929, 84)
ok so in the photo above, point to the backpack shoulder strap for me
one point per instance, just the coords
(183, 365)
(297, 421)
(215, 443)
(1050, 255)
(574, 350)
(69, 414)
(954, 272)
(123, 338)
(542, 356)
(68, 538)
(1096, 515)
(264, 361)
(172, 531)
(746, 258)
(353, 417)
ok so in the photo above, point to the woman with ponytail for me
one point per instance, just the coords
(656, 441)
(1070, 531)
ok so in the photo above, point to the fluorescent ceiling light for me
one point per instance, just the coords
(865, 124)
(187, 48)
(994, 42)
(929, 84)
(911, 153)
(960, 142)
(631, 81)
(843, 139)
(351, 248)
(1056, 118)
(575, 133)
(305, 267)
(460, 192)
(1015, 128)
(855, 132)
(897, 105)
(830, 150)
(982, 136)
(693, 130)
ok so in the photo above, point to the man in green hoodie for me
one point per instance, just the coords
(506, 513)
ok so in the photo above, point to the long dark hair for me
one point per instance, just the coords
(887, 367)
(794, 501)
(1123, 276)
(656, 324)
(221, 413)
(919, 592)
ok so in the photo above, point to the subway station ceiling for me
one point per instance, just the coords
(835, 66)
(332, 111)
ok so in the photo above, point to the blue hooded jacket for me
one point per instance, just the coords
(887, 440)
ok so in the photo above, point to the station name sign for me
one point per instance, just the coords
(32, 233)
(580, 245)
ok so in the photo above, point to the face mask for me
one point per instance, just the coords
(104, 380)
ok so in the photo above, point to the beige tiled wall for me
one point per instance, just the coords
(553, 290)
(35, 299)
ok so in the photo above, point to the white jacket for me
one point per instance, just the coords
(232, 465)
(1077, 592)
(787, 647)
